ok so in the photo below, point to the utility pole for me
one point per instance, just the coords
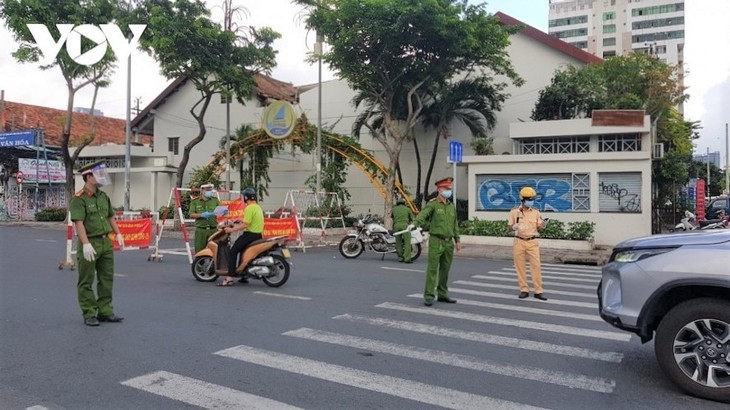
(727, 162)
(128, 127)
(318, 50)
(709, 194)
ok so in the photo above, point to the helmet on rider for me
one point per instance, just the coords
(527, 194)
(249, 194)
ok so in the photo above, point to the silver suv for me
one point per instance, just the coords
(677, 286)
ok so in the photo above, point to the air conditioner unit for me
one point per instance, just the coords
(658, 151)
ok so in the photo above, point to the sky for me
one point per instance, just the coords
(707, 39)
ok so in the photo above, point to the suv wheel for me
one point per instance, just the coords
(693, 347)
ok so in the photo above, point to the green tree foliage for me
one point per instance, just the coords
(16, 14)
(391, 50)
(187, 44)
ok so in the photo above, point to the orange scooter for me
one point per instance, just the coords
(264, 259)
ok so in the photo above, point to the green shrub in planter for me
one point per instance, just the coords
(578, 231)
(581, 231)
(51, 214)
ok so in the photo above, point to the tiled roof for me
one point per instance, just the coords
(549, 40)
(19, 116)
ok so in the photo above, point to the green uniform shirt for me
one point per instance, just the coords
(402, 216)
(442, 217)
(253, 217)
(199, 206)
(94, 210)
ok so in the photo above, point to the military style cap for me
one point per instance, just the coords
(445, 183)
(87, 169)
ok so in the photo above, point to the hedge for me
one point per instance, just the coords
(578, 231)
(51, 214)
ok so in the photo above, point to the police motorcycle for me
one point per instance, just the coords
(373, 236)
(265, 259)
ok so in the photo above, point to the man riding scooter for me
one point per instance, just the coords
(252, 225)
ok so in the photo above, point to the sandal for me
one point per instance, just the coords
(225, 283)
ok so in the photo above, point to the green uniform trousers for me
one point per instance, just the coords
(440, 255)
(403, 243)
(101, 268)
(201, 237)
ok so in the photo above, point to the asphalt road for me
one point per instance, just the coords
(341, 334)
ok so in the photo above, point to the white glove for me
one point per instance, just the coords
(411, 227)
(120, 241)
(515, 227)
(89, 252)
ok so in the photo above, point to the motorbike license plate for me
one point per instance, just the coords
(286, 253)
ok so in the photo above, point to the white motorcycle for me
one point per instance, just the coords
(370, 234)
(686, 223)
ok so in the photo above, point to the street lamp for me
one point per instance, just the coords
(128, 127)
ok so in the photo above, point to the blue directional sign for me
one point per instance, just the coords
(456, 151)
(17, 138)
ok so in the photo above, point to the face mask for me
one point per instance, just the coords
(529, 203)
(209, 194)
(447, 194)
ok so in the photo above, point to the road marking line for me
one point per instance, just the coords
(258, 292)
(525, 309)
(120, 275)
(200, 393)
(588, 268)
(551, 301)
(562, 273)
(574, 381)
(402, 269)
(514, 280)
(45, 240)
(394, 386)
(37, 407)
(589, 295)
(524, 324)
(563, 278)
(511, 342)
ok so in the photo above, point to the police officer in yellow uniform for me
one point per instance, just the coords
(402, 217)
(525, 221)
(444, 235)
(205, 220)
(93, 216)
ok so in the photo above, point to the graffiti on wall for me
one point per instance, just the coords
(24, 204)
(626, 201)
(553, 193)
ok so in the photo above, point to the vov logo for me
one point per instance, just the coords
(102, 35)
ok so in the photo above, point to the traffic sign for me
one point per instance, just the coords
(456, 151)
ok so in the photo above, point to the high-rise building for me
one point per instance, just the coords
(607, 28)
(712, 157)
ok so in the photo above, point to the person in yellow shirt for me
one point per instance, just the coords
(525, 221)
(253, 225)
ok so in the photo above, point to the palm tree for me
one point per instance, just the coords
(471, 101)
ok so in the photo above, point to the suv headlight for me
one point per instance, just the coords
(635, 255)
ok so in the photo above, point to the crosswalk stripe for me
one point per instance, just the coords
(558, 284)
(587, 268)
(394, 386)
(575, 381)
(551, 301)
(590, 295)
(401, 269)
(258, 292)
(523, 309)
(525, 324)
(562, 278)
(561, 273)
(511, 342)
(200, 393)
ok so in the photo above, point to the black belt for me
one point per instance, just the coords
(442, 237)
(526, 239)
(98, 236)
(207, 227)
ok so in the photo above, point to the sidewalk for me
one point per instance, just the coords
(597, 257)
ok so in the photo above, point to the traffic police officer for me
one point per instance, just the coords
(525, 221)
(93, 216)
(402, 217)
(205, 220)
(440, 214)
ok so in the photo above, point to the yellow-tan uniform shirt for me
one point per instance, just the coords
(528, 219)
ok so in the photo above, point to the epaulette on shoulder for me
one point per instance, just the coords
(433, 199)
(80, 192)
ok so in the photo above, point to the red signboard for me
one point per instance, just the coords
(700, 199)
(136, 232)
(235, 210)
(281, 226)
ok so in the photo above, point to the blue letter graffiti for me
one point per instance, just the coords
(552, 194)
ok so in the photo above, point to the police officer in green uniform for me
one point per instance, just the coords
(205, 220)
(444, 234)
(93, 216)
(402, 217)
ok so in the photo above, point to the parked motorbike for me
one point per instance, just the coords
(373, 236)
(687, 223)
(264, 259)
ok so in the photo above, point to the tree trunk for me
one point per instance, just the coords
(418, 172)
(65, 137)
(200, 118)
(431, 164)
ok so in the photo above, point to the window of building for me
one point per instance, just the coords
(609, 28)
(619, 143)
(555, 192)
(173, 145)
(667, 8)
(673, 21)
(607, 54)
(568, 21)
(571, 33)
(667, 35)
(610, 41)
(557, 145)
(619, 192)
(609, 15)
(580, 44)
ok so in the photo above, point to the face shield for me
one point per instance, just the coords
(207, 191)
(101, 175)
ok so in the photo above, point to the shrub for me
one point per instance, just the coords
(51, 214)
(579, 231)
